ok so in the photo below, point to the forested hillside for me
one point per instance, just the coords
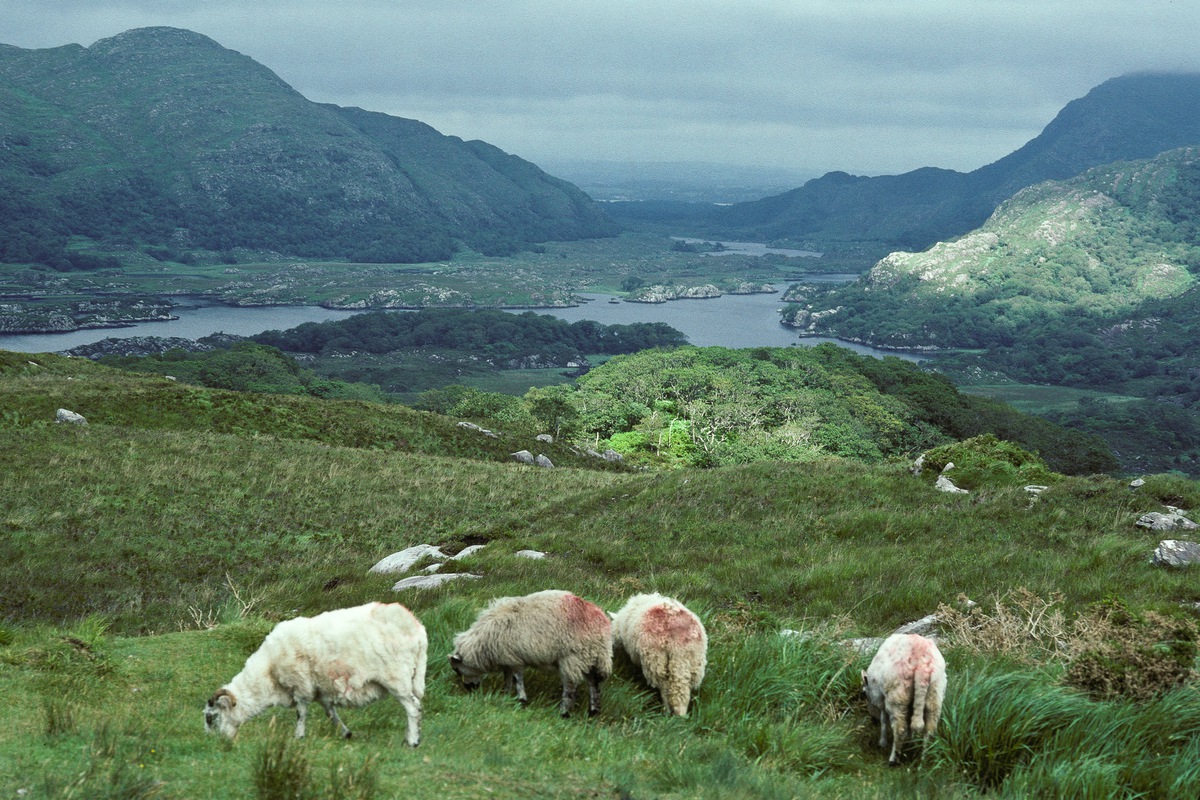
(1087, 283)
(161, 138)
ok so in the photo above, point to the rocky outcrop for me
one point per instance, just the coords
(1172, 521)
(70, 417)
(662, 294)
(138, 346)
(1175, 553)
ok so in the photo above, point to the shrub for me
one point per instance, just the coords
(988, 461)
(1119, 654)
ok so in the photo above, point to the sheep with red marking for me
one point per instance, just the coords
(347, 657)
(551, 629)
(668, 642)
(905, 685)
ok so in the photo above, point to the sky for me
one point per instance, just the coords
(870, 87)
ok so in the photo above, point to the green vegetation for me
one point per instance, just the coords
(1088, 283)
(145, 555)
(710, 406)
(161, 141)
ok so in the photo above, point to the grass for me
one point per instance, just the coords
(143, 557)
(1039, 399)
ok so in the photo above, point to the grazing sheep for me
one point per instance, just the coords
(548, 629)
(668, 642)
(347, 657)
(905, 681)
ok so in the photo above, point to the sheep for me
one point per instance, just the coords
(907, 676)
(346, 657)
(547, 629)
(668, 642)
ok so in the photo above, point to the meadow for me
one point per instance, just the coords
(144, 556)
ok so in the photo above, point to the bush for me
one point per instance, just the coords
(1119, 654)
(988, 461)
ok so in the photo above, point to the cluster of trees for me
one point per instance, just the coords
(712, 406)
(245, 367)
(485, 332)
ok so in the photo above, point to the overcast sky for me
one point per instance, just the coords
(867, 86)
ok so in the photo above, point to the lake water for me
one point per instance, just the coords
(749, 320)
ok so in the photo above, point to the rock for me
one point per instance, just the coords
(1137, 483)
(63, 415)
(1165, 522)
(401, 561)
(543, 461)
(925, 626)
(469, 550)
(1033, 488)
(613, 455)
(949, 466)
(946, 485)
(918, 466)
(471, 426)
(1175, 553)
(524, 456)
(431, 581)
(545, 437)
(865, 646)
(534, 554)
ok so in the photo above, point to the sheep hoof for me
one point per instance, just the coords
(347, 734)
(565, 714)
(593, 712)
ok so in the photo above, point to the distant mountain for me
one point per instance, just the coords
(677, 181)
(161, 136)
(1091, 247)
(1131, 117)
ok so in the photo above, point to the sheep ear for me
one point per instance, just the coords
(455, 658)
(223, 699)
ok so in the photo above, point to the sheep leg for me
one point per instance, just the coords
(899, 726)
(518, 679)
(331, 712)
(301, 714)
(568, 699)
(412, 707)
(593, 681)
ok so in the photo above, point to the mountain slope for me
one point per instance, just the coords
(1098, 244)
(1131, 117)
(162, 136)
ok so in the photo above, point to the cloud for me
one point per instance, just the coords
(868, 86)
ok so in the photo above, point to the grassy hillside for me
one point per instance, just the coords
(142, 557)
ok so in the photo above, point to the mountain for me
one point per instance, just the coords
(1096, 245)
(1135, 116)
(161, 136)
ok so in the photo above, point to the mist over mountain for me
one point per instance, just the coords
(162, 136)
(1130, 117)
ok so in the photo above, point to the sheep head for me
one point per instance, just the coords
(219, 716)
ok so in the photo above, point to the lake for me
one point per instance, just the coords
(747, 320)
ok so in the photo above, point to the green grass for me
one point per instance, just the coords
(1040, 399)
(143, 557)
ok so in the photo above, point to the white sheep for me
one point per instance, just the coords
(668, 642)
(347, 657)
(548, 629)
(906, 677)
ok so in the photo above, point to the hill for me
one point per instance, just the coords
(1087, 283)
(145, 555)
(161, 137)
(1131, 117)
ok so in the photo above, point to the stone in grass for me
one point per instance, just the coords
(1157, 521)
(431, 581)
(403, 560)
(63, 415)
(1176, 553)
